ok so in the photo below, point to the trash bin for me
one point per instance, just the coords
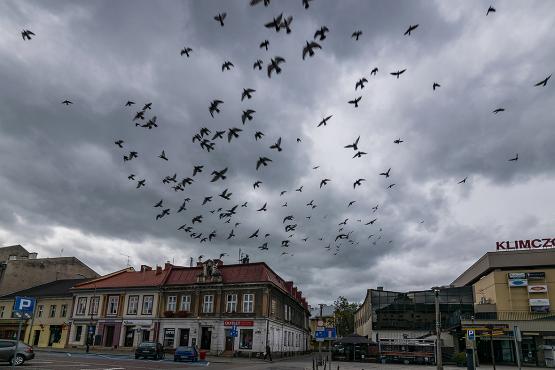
(202, 355)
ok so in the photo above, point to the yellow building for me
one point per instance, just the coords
(49, 325)
(513, 289)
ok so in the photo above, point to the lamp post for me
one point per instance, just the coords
(89, 337)
(439, 360)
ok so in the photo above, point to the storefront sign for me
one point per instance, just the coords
(539, 302)
(137, 322)
(518, 282)
(517, 275)
(539, 309)
(537, 275)
(238, 323)
(525, 244)
(537, 288)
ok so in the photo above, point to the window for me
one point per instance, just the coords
(132, 304)
(52, 310)
(185, 303)
(245, 339)
(208, 304)
(172, 303)
(231, 305)
(274, 307)
(169, 336)
(78, 332)
(40, 309)
(63, 310)
(2, 309)
(81, 306)
(285, 338)
(112, 305)
(93, 309)
(248, 302)
(147, 304)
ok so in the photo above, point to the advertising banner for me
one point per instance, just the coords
(518, 282)
(537, 288)
(537, 275)
(539, 302)
(517, 275)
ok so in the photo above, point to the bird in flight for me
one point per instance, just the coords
(262, 161)
(463, 181)
(514, 159)
(355, 101)
(275, 23)
(206, 200)
(277, 145)
(247, 115)
(218, 175)
(218, 135)
(129, 103)
(309, 48)
(359, 154)
(398, 73)
(258, 135)
(356, 35)
(264, 44)
(67, 102)
(264, 247)
(227, 65)
(498, 110)
(257, 64)
(247, 93)
(371, 222)
(398, 141)
(306, 3)
(274, 65)
(360, 83)
(262, 209)
(225, 194)
(543, 82)
(141, 183)
(159, 204)
(233, 132)
(386, 174)
(26, 34)
(324, 182)
(287, 23)
(321, 33)
(351, 203)
(491, 9)
(186, 51)
(410, 29)
(255, 234)
(324, 121)
(163, 156)
(119, 143)
(435, 85)
(374, 71)
(354, 145)
(220, 18)
(390, 186)
(254, 2)
(358, 183)
(214, 107)
(257, 184)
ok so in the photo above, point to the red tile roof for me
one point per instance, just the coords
(127, 278)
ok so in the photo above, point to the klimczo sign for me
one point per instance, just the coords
(525, 244)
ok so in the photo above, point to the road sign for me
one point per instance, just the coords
(233, 332)
(24, 304)
(331, 333)
(320, 323)
(471, 335)
(320, 334)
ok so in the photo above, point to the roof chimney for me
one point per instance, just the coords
(145, 268)
(380, 288)
(158, 270)
(167, 265)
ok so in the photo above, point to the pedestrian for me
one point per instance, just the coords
(268, 353)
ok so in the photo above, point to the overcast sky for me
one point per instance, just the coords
(65, 187)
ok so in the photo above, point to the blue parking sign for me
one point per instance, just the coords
(24, 304)
(471, 335)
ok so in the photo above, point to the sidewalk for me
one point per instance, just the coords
(368, 366)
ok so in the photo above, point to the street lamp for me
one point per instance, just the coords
(439, 360)
(88, 341)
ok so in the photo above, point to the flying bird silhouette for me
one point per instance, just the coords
(247, 115)
(324, 182)
(247, 93)
(274, 65)
(225, 194)
(355, 101)
(233, 133)
(321, 33)
(262, 161)
(26, 34)
(163, 156)
(254, 2)
(256, 184)
(543, 82)
(356, 35)
(374, 71)
(398, 141)
(353, 145)
(410, 29)
(257, 64)
(218, 175)
(262, 209)
(186, 51)
(386, 174)
(277, 145)
(67, 102)
(287, 24)
(324, 121)
(119, 143)
(435, 85)
(220, 18)
(463, 181)
(514, 159)
(398, 73)
(275, 23)
(359, 154)
(491, 9)
(309, 48)
(214, 107)
(129, 103)
(358, 183)
(258, 135)
(360, 83)
(498, 110)
(264, 44)
(227, 65)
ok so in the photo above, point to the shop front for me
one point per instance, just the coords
(134, 332)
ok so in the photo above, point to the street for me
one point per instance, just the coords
(57, 361)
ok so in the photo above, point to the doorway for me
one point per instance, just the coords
(129, 336)
(109, 341)
(184, 337)
(229, 340)
(55, 334)
(36, 338)
(146, 335)
(206, 338)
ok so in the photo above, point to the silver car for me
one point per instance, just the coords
(23, 352)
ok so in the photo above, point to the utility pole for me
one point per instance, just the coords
(320, 343)
(490, 327)
(439, 359)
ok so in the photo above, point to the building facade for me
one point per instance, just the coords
(219, 308)
(49, 325)
(513, 289)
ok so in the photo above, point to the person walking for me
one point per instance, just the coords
(268, 353)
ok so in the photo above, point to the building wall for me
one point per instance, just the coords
(27, 273)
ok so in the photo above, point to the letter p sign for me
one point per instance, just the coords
(24, 304)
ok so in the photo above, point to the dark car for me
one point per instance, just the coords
(150, 350)
(22, 353)
(185, 353)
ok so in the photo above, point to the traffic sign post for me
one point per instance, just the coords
(23, 310)
(518, 338)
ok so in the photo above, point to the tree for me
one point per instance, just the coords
(344, 316)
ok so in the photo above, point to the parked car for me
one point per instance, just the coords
(186, 353)
(153, 350)
(22, 353)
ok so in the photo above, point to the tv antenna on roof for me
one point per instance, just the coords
(128, 258)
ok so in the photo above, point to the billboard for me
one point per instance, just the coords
(537, 275)
(518, 282)
(539, 302)
(517, 275)
(537, 288)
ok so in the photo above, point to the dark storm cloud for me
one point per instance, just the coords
(65, 183)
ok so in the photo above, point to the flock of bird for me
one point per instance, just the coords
(222, 222)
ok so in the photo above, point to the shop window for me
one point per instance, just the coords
(81, 306)
(248, 303)
(245, 339)
(78, 333)
(133, 304)
(169, 337)
(185, 303)
(172, 303)
(231, 305)
(147, 304)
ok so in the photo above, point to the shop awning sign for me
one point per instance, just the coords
(238, 323)
(539, 302)
(537, 288)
